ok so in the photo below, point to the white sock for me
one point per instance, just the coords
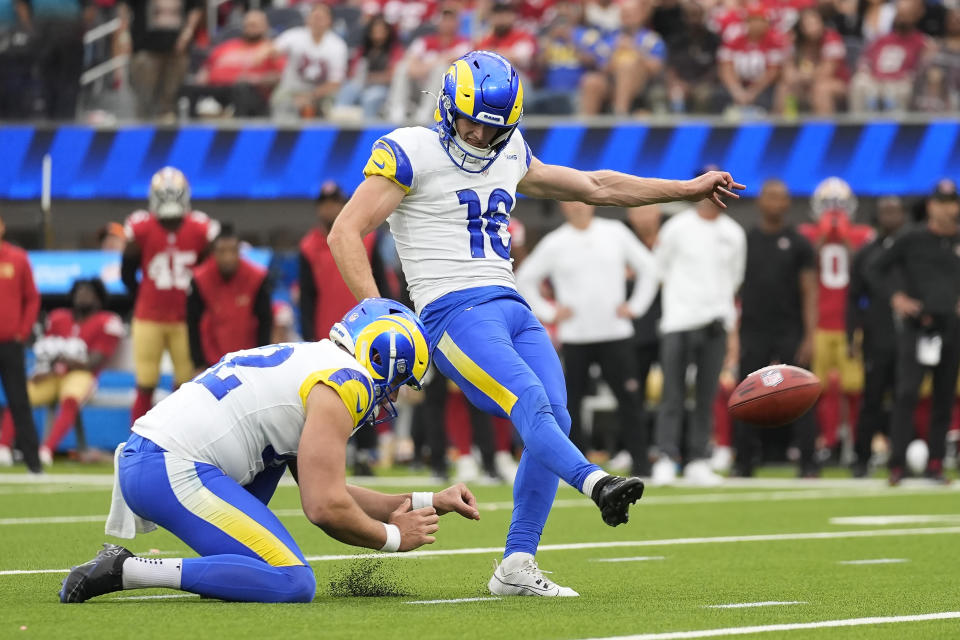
(141, 573)
(591, 481)
(513, 561)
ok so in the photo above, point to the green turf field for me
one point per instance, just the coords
(684, 552)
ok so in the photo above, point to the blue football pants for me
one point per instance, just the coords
(502, 359)
(248, 555)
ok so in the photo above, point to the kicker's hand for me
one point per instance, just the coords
(713, 185)
(457, 498)
(416, 527)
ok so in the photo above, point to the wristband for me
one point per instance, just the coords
(393, 538)
(421, 499)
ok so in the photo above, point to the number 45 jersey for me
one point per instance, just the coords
(247, 412)
(451, 227)
(167, 259)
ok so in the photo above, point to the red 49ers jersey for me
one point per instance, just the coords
(167, 260)
(100, 332)
(833, 265)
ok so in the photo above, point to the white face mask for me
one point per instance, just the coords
(477, 151)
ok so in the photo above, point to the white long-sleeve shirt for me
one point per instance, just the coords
(701, 264)
(588, 270)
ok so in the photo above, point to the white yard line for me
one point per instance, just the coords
(577, 546)
(632, 559)
(797, 626)
(750, 605)
(876, 561)
(879, 521)
(451, 601)
(775, 537)
(24, 572)
(52, 520)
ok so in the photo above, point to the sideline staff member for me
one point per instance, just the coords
(778, 315)
(20, 303)
(920, 275)
(868, 310)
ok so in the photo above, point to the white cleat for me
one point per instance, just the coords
(722, 459)
(468, 470)
(506, 466)
(46, 456)
(700, 474)
(664, 472)
(519, 575)
(6, 457)
(621, 463)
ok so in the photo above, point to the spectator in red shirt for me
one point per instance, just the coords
(426, 59)
(508, 39)
(890, 64)
(371, 69)
(750, 65)
(228, 307)
(815, 76)
(76, 344)
(241, 72)
(405, 16)
(20, 301)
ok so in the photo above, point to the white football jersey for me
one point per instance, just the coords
(451, 227)
(247, 411)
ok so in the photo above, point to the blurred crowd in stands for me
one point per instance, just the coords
(379, 59)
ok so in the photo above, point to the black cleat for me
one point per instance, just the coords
(103, 574)
(614, 495)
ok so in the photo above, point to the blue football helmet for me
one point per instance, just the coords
(482, 87)
(390, 342)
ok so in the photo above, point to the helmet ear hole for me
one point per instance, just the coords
(375, 357)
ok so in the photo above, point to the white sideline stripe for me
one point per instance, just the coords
(917, 484)
(749, 605)
(796, 626)
(816, 535)
(53, 520)
(876, 561)
(451, 601)
(165, 596)
(633, 559)
(23, 572)
(774, 537)
(879, 521)
(695, 498)
(106, 480)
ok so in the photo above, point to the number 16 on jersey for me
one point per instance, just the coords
(494, 221)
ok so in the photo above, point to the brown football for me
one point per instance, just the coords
(774, 395)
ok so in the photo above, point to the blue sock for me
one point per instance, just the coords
(549, 455)
(546, 440)
(243, 579)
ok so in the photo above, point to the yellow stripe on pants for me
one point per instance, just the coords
(475, 375)
(206, 505)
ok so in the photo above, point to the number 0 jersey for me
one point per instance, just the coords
(166, 262)
(451, 227)
(833, 259)
(247, 411)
